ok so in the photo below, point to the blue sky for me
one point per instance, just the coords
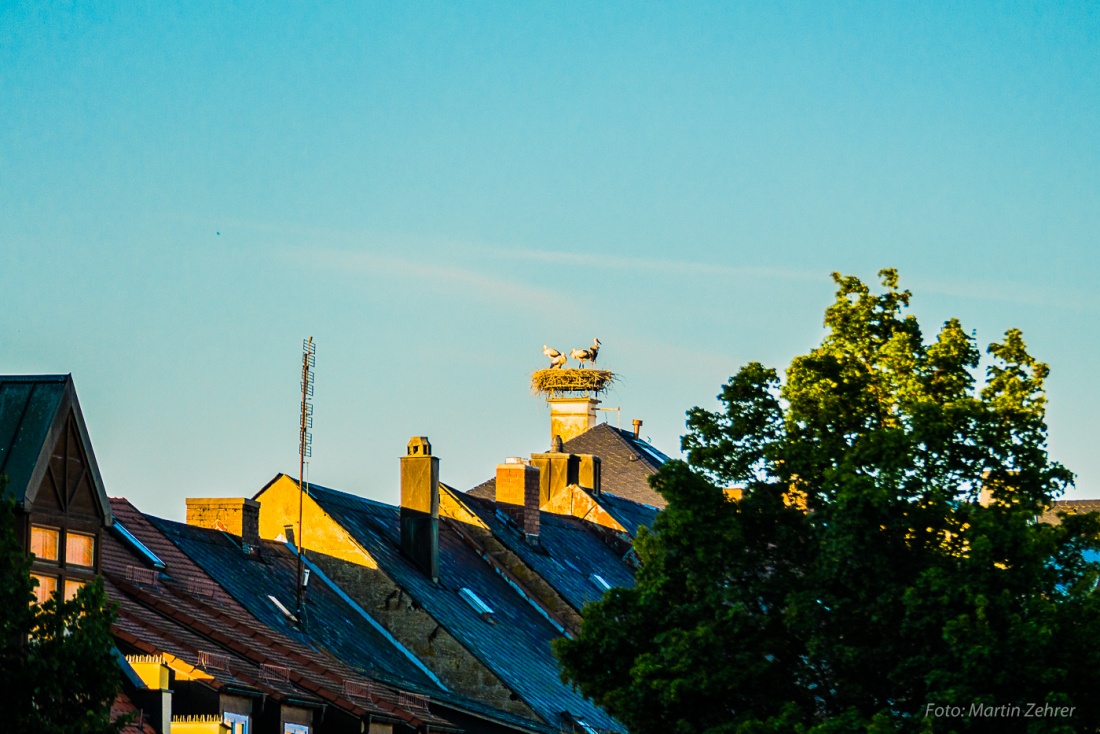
(435, 190)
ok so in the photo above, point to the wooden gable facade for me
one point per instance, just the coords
(50, 471)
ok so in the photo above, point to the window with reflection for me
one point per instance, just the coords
(47, 585)
(71, 587)
(44, 542)
(79, 549)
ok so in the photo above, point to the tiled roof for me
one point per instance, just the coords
(516, 647)
(1071, 507)
(185, 602)
(569, 552)
(625, 464)
(123, 706)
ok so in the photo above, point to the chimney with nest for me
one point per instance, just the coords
(518, 495)
(420, 506)
(571, 416)
(235, 515)
(637, 428)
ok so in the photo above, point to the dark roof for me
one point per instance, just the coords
(33, 414)
(625, 464)
(251, 580)
(28, 408)
(186, 600)
(569, 552)
(631, 515)
(516, 648)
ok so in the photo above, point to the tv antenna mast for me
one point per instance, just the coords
(305, 451)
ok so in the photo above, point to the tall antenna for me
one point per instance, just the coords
(305, 450)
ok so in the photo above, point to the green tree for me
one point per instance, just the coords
(58, 674)
(885, 554)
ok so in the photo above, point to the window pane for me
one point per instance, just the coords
(71, 587)
(295, 729)
(238, 723)
(47, 585)
(79, 549)
(44, 543)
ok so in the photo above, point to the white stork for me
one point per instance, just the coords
(587, 355)
(557, 359)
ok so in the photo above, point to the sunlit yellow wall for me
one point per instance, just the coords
(279, 507)
(576, 502)
(151, 669)
(452, 507)
(208, 726)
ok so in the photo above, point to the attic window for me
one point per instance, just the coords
(44, 543)
(475, 601)
(599, 582)
(137, 546)
(79, 549)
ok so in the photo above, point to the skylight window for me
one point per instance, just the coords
(476, 602)
(282, 608)
(137, 546)
(599, 582)
(653, 453)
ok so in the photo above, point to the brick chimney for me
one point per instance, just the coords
(518, 495)
(420, 506)
(235, 515)
(570, 417)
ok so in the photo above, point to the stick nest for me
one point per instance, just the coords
(560, 382)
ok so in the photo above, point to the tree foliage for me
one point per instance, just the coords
(57, 671)
(885, 554)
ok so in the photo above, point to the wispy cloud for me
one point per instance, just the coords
(459, 281)
(658, 265)
(1014, 293)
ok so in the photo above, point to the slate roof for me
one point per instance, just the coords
(569, 552)
(32, 408)
(516, 648)
(631, 515)
(186, 611)
(625, 464)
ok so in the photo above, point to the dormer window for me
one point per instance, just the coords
(79, 550)
(47, 585)
(44, 543)
(71, 587)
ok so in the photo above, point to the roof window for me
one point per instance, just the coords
(137, 546)
(479, 606)
(282, 608)
(599, 582)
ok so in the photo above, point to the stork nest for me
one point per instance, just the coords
(559, 382)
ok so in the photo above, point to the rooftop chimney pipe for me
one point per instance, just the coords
(637, 428)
